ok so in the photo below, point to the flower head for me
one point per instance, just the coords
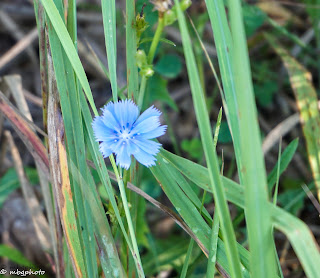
(122, 131)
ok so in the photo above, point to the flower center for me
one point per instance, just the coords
(125, 133)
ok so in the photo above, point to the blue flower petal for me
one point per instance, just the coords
(132, 148)
(132, 111)
(145, 158)
(159, 131)
(123, 158)
(105, 149)
(146, 125)
(122, 132)
(126, 113)
(120, 113)
(101, 131)
(148, 146)
(109, 120)
(150, 112)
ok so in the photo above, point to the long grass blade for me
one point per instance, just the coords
(307, 101)
(69, 48)
(62, 187)
(211, 156)
(109, 24)
(131, 47)
(298, 232)
(258, 219)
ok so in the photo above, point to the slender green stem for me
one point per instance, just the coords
(128, 216)
(278, 175)
(155, 40)
(213, 245)
(187, 259)
(152, 51)
(142, 90)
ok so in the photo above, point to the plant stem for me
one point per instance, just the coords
(135, 254)
(152, 51)
(155, 40)
(142, 91)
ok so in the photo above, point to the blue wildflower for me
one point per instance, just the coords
(122, 131)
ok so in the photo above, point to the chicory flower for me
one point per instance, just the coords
(122, 131)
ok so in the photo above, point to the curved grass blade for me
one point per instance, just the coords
(108, 253)
(298, 233)
(286, 158)
(307, 101)
(165, 174)
(209, 150)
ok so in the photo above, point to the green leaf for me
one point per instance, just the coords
(287, 196)
(141, 222)
(193, 147)
(286, 158)
(253, 18)
(224, 133)
(169, 66)
(157, 90)
(307, 102)
(264, 92)
(170, 252)
(15, 256)
(298, 233)
(161, 40)
(188, 205)
(10, 182)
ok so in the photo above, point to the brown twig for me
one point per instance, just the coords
(18, 48)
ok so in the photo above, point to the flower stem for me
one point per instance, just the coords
(141, 91)
(152, 51)
(155, 40)
(135, 254)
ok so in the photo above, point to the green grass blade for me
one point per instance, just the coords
(64, 37)
(258, 219)
(213, 246)
(187, 259)
(93, 147)
(131, 48)
(165, 174)
(307, 101)
(71, 113)
(286, 158)
(275, 195)
(300, 238)
(207, 140)
(62, 187)
(224, 46)
(109, 24)
(298, 233)
(108, 253)
(15, 256)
